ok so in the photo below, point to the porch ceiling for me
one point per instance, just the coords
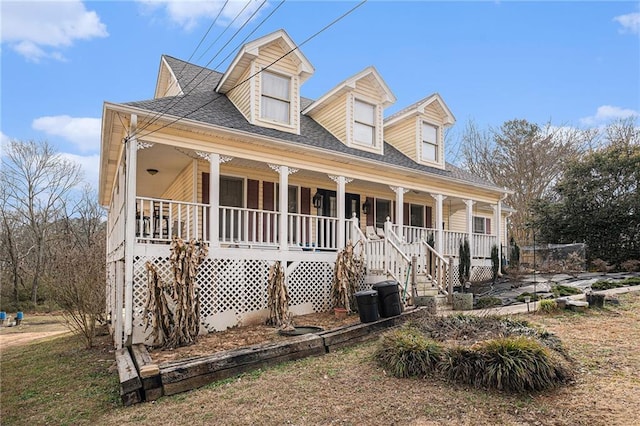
(167, 160)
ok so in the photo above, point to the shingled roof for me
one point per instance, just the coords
(201, 103)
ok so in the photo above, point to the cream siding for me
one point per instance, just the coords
(182, 187)
(402, 135)
(368, 87)
(241, 95)
(333, 117)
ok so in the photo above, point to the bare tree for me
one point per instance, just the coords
(79, 271)
(38, 181)
(523, 157)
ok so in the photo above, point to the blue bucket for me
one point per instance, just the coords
(19, 315)
(3, 315)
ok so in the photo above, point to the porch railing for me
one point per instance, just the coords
(161, 219)
(482, 245)
(451, 242)
(312, 232)
(415, 234)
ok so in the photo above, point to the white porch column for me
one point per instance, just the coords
(341, 183)
(497, 209)
(130, 227)
(469, 204)
(283, 201)
(214, 200)
(439, 226)
(399, 207)
(340, 204)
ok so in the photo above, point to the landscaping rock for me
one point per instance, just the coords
(577, 305)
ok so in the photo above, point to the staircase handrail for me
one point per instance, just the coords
(441, 267)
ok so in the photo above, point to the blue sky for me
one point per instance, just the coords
(572, 63)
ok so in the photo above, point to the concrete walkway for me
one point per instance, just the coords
(523, 309)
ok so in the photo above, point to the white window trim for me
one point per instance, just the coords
(290, 123)
(374, 142)
(484, 222)
(421, 142)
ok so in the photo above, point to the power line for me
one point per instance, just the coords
(344, 15)
(213, 23)
(177, 100)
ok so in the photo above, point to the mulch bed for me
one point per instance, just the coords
(237, 337)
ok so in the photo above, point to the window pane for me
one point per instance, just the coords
(383, 210)
(293, 199)
(429, 134)
(275, 85)
(478, 225)
(231, 190)
(429, 151)
(417, 215)
(274, 109)
(363, 134)
(364, 113)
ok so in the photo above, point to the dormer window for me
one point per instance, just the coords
(364, 125)
(276, 97)
(429, 142)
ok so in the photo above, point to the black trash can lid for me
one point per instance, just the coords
(366, 293)
(388, 283)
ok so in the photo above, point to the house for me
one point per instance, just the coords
(240, 160)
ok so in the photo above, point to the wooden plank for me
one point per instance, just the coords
(129, 379)
(148, 371)
(189, 382)
(131, 398)
(181, 370)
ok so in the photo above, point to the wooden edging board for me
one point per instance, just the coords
(184, 375)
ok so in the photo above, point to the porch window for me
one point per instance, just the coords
(364, 123)
(481, 225)
(429, 142)
(416, 215)
(292, 199)
(383, 210)
(276, 97)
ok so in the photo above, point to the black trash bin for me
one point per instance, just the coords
(389, 303)
(367, 305)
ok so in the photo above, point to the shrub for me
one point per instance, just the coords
(564, 290)
(631, 265)
(407, 352)
(533, 297)
(548, 306)
(601, 265)
(606, 285)
(488, 302)
(519, 364)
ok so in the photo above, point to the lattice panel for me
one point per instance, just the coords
(310, 282)
(238, 285)
(481, 273)
(140, 286)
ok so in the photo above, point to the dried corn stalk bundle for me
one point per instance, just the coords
(174, 310)
(346, 274)
(278, 298)
(157, 310)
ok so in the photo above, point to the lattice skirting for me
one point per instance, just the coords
(478, 273)
(234, 291)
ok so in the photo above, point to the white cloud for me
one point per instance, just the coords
(630, 22)
(90, 165)
(608, 113)
(187, 13)
(37, 30)
(4, 139)
(83, 132)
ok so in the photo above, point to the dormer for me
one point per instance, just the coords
(264, 80)
(418, 130)
(167, 83)
(353, 110)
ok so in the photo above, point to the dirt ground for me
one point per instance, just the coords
(33, 327)
(247, 335)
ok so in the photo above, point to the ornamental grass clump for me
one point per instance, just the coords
(548, 306)
(462, 365)
(406, 352)
(520, 364)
